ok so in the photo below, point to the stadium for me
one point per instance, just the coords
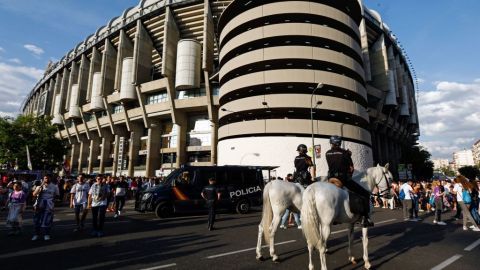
(225, 82)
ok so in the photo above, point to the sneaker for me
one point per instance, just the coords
(46, 237)
(283, 227)
(465, 228)
(441, 223)
(472, 227)
(119, 212)
(35, 238)
(299, 227)
(435, 222)
(476, 229)
(115, 216)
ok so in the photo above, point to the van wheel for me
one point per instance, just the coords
(163, 210)
(243, 206)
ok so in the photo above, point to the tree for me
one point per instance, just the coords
(447, 171)
(469, 172)
(422, 166)
(46, 151)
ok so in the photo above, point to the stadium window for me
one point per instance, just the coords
(157, 98)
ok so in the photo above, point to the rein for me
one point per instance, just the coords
(384, 177)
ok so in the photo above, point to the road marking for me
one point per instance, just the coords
(473, 245)
(160, 266)
(247, 249)
(447, 262)
(377, 223)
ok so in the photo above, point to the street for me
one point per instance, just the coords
(140, 241)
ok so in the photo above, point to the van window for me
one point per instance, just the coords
(235, 176)
(251, 176)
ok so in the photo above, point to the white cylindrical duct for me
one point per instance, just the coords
(96, 101)
(127, 89)
(74, 109)
(57, 117)
(189, 53)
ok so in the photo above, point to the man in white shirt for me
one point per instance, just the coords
(407, 202)
(79, 200)
(97, 201)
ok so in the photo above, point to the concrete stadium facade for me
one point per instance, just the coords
(230, 82)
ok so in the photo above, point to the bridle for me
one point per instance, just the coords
(384, 177)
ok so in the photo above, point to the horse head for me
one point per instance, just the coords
(379, 177)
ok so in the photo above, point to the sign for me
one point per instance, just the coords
(318, 151)
(143, 152)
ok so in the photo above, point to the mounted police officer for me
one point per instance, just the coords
(340, 166)
(303, 163)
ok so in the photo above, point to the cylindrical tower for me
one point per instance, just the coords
(273, 54)
(127, 89)
(96, 102)
(57, 117)
(189, 53)
(74, 108)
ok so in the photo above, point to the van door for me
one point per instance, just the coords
(185, 195)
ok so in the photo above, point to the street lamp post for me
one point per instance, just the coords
(319, 86)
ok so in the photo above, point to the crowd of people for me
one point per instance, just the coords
(100, 194)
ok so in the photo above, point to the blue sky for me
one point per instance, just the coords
(441, 38)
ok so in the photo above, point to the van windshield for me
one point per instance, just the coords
(172, 176)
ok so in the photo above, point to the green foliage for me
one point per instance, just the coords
(46, 151)
(420, 160)
(469, 171)
(447, 171)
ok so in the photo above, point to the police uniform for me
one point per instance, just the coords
(302, 162)
(340, 165)
(210, 193)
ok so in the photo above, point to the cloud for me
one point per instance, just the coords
(15, 60)
(449, 117)
(34, 49)
(420, 80)
(15, 84)
(2, 49)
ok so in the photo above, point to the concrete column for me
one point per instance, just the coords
(182, 123)
(136, 132)
(109, 59)
(94, 152)
(115, 155)
(105, 149)
(125, 49)
(153, 147)
(83, 80)
(74, 156)
(83, 154)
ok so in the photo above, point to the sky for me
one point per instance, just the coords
(441, 38)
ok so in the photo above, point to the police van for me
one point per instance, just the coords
(240, 187)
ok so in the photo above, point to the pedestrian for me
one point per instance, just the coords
(211, 194)
(78, 201)
(120, 193)
(44, 208)
(461, 185)
(285, 217)
(438, 193)
(16, 206)
(407, 203)
(97, 201)
(475, 202)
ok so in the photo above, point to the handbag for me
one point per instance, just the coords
(432, 200)
(467, 199)
(37, 199)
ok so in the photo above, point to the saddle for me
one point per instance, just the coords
(355, 200)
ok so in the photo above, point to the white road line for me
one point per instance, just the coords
(377, 223)
(247, 249)
(447, 262)
(473, 245)
(160, 266)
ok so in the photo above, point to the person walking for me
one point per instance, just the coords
(44, 208)
(461, 185)
(407, 203)
(97, 201)
(79, 200)
(16, 207)
(438, 193)
(120, 193)
(212, 195)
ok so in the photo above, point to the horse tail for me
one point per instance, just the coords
(310, 218)
(267, 213)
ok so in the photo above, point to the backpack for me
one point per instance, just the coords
(467, 199)
(401, 196)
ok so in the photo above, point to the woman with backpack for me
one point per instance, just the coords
(461, 189)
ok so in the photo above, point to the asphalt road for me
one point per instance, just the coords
(140, 241)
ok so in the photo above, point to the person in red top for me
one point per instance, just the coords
(134, 187)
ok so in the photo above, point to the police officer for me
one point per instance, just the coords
(340, 166)
(211, 194)
(303, 163)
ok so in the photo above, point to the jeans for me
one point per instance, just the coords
(119, 203)
(98, 217)
(211, 212)
(295, 215)
(438, 208)
(407, 209)
(466, 214)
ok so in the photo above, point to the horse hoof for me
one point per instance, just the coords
(275, 259)
(260, 258)
(352, 260)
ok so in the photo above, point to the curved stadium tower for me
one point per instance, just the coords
(230, 82)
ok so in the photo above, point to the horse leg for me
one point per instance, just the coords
(365, 247)
(322, 245)
(351, 258)
(273, 230)
(259, 242)
(310, 253)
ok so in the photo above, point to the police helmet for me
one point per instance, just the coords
(302, 148)
(335, 140)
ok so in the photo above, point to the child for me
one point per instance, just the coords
(16, 202)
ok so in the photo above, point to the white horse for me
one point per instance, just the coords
(325, 203)
(278, 196)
